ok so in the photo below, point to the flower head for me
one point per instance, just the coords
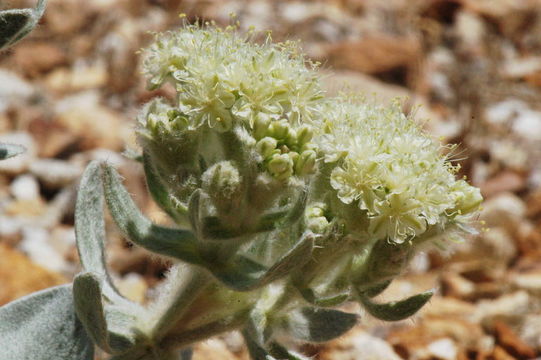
(383, 162)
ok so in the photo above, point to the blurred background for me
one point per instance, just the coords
(470, 71)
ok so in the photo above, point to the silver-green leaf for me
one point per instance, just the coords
(176, 243)
(396, 310)
(10, 150)
(318, 325)
(15, 24)
(244, 274)
(43, 326)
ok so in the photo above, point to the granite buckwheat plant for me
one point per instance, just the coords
(285, 203)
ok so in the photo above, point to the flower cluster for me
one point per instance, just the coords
(225, 81)
(383, 162)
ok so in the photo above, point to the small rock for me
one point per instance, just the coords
(444, 349)
(359, 345)
(63, 239)
(50, 56)
(528, 125)
(511, 342)
(457, 286)
(375, 54)
(13, 89)
(30, 277)
(25, 187)
(35, 244)
(505, 209)
(133, 287)
(55, 173)
(530, 331)
(92, 123)
(506, 181)
(509, 306)
(82, 77)
(214, 349)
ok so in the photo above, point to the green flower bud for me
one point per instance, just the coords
(279, 129)
(306, 163)
(266, 146)
(223, 183)
(304, 135)
(281, 166)
(468, 198)
(261, 125)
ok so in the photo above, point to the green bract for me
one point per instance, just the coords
(284, 203)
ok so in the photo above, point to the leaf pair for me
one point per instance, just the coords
(240, 273)
(306, 324)
(15, 24)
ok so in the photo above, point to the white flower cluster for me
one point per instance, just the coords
(382, 161)
(394, 171)
(222, 78)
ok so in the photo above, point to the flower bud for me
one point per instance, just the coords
(279, 129)
(266, 146)
(304, 135)
(261, 125)
(281, 166)
(468, 198)
(223, 183)
(306, 163)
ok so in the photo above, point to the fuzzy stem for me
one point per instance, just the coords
(184, 293)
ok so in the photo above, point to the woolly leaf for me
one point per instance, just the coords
(90, 229)
(176, 243)
(160, 194)
(273, 351)
(318, 325)
(378, 289)
(43, 326)
(243, 274)
(110, 327)
(89, 308)
(10, 150)
(396, 310)
(327, 301)
(257, 352)
(17, 23)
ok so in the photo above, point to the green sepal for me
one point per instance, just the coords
(176, 243)
(43, 326)
(159, 193)
(396, 310)
(109, 326)
(327, 301)
(318, 325)
(10, 150)
(244, 274)
(17, 23)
